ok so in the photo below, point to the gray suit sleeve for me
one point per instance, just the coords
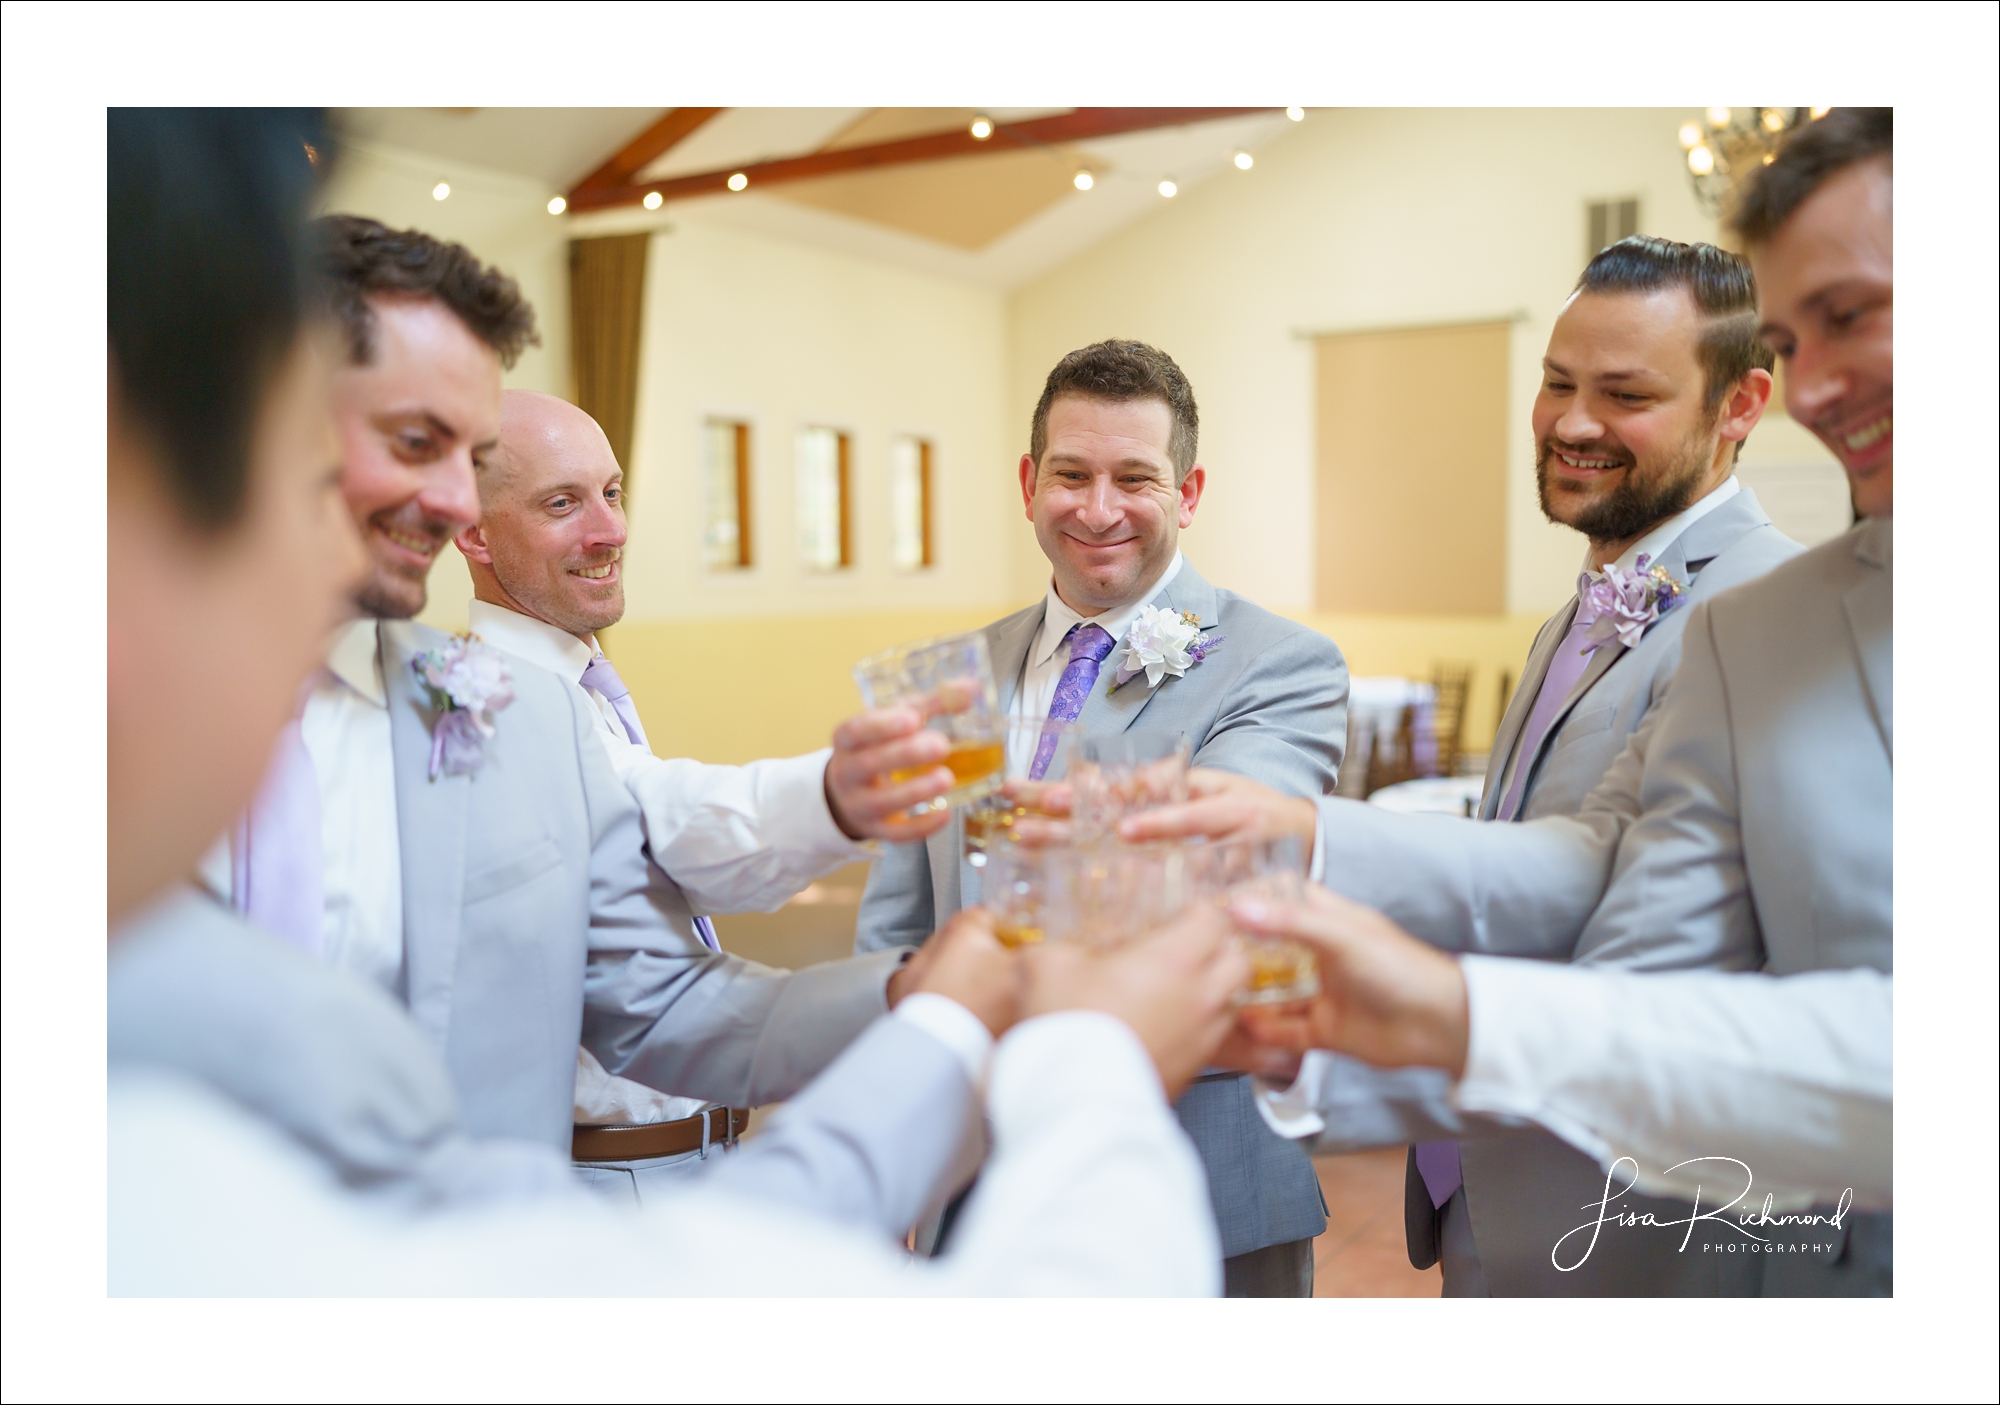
(897, 907)
(1679, 897)
(882, 1138)
(662, 1009)
(1284, 722)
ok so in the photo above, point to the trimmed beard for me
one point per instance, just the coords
(1638, 504)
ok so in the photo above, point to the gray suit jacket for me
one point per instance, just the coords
(1270, 702)
(534, 920)
(332, 1062)
(1760, 840)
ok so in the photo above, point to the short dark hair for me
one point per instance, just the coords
(1814, 152)
(362, 258)
(1123, 370)
(205, 283)
(1724, 292)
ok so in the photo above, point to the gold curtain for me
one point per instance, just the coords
(607, 283)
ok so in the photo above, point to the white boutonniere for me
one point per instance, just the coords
(468, 683)
(1162, 644)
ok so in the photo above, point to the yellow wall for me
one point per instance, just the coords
(735, 690)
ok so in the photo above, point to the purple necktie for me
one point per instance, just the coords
(1088, 644)
(604, 680)
(1437, 1162)
(278, 857)
(1572, 656)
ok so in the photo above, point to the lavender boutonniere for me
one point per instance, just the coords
(1625, 604)
(467, 683)
(1162, 644)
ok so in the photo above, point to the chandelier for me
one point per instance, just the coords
(1731, 142)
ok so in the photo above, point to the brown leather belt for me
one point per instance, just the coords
(719, 1126)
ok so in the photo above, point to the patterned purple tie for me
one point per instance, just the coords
(1088, 645)
(277, 855)
(604, 680)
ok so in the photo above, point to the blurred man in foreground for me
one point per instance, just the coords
(278, 1125)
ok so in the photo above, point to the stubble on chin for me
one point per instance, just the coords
(386, 595)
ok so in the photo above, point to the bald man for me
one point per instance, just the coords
(548, 573)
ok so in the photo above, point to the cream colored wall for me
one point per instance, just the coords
(1354, 220)
(784, 336)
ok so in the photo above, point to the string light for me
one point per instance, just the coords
(1244, 161)
(653, 200)
(1083, 180)
(739, 181)
(1718, 117)
(982, 127)
(440, 191)
(1169, 189)
(1773, 119)
(1701, 160)
(1819, 112)
(1690, 136)
(1297, 114)
(558, 205)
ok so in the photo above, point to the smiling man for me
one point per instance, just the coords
(1109, 481)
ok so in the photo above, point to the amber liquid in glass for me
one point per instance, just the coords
(1013, 937)
(974, 764)
(1279, 971)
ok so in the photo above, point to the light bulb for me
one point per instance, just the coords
(1773, 119)
(1769, 157)
(653, 200)
(1690, 135)
(1169, 189)
(739, 181)
(440, 191)
(1701, 160)
(1083, 180)
(1244, 161)
(1718, 117)
(982, 128)
(1297, 114)
(558, 205)
(1820, 112)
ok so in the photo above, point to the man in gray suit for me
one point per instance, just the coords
(446, 824)
(1109, 480)
(1746, 827)
(1653, 379)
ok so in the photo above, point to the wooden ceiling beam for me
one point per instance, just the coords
(1083, 124)
(636, 155)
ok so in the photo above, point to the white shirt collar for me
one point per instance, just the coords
(1663, 536)
(1059, 619)
(354, 657)
(537, 641)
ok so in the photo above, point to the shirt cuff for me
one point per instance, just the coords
(801, 820)
(953, 1026)
(1528, 1023)
(1293, 1113)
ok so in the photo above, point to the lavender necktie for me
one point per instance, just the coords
(1088, 644)
(603, 679)
(1437, 1162)
(1572, 656)
(278, 857)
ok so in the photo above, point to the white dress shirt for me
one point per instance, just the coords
(1790, 1075)
(1048, 656)
(345, 726)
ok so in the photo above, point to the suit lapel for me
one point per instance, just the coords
(431, 821)
(1107, 712)
(1007, 645)
(1870, 606)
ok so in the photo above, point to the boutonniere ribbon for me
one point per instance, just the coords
(1625, 604)
(468, 683)
(1162, 644)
